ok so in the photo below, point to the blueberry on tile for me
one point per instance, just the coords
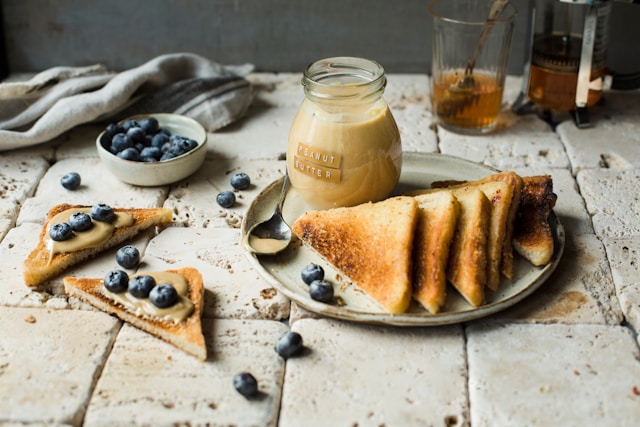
(226, 199)
(71, 180)
(240, 181)
(128, 256)
(289, 344)
(245, 384)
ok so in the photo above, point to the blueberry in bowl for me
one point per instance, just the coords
(153, 149)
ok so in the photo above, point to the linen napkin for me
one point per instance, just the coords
(58, 99)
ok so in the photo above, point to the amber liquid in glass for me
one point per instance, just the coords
(475, 109)
(553, 76)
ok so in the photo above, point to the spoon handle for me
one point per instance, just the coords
(285, 187)
(496, 9)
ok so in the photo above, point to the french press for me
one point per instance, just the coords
(567, 69)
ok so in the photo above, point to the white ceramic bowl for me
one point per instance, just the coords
(149, 174)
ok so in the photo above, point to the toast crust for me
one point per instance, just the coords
(370, 243)
(40, 266)
(186, 335)
(437, 219)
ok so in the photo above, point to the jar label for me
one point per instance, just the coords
(319, 164)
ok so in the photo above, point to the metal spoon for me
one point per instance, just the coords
(460, 94)
(273, 235)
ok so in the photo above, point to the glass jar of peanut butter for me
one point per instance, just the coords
(344, 145)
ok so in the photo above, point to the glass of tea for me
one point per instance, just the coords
(470, 54)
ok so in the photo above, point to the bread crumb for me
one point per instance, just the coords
(30, 319)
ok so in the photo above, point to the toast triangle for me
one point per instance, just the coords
(467, 267)
(40, 265)
(370, 243)
(186, 335)
(437, 219)
(504, 192)
(532, 238)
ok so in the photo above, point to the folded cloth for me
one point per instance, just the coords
(61, 98)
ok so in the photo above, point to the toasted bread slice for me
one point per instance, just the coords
(532, 237)
(185, 335)
(41, 264)
(370, 243)
(467, 269)
(503, 191)
(437, 218)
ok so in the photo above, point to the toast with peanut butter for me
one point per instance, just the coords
(437, 218)
(51, 257)
(370, 243)
(179, 325)
(532, 238)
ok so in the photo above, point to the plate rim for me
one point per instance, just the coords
(409, 319)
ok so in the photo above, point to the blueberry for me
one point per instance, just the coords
(311, 272)
(116, 281)
(120, 142)
(80, 221)
(140, 286)
(240, 181)
(321, 290)
(226, 199)
(163, 296)
(109, 132)
(70, 181)
(128, 256)
(150, 125)
(180, 145)
(153, 152)
(60, 231)
(289, 344)
(246, 384)
(129, 154)
(167, 156)
(159, 139)
(136, 134)
(102, 212)
(128, 124)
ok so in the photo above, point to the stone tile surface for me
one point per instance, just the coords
(624, 256)
(613, 200)
(148, 382)
(612, 141)
(19, 177)
(356, 375)
(98, 186)
(193, 201)
(580, 291)
(49, 360)
(522, 375)
(521, 141)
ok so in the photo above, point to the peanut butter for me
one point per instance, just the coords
(94, 237)
(144, 307)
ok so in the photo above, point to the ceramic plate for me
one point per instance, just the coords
(418, 171)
